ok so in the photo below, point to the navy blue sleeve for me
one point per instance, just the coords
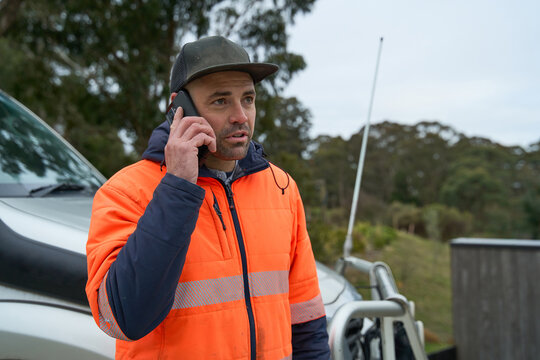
(142, 281)
(310, 340)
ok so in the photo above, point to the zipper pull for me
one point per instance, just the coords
(218, 212)
(228, 189)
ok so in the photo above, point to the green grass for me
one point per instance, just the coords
(421, 269)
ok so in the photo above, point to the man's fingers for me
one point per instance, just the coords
(181, 124)
(195, 128)
(186, 135)
(212, 145)
(204, 139)
(177, 120)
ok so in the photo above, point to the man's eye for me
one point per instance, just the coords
(249, 99)
(219, 101)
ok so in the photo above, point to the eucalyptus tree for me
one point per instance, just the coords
(98, 71)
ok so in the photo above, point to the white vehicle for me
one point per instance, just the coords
(46, 191)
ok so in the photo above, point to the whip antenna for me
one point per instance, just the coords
(347, 247)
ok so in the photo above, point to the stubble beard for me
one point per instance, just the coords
(227, 151)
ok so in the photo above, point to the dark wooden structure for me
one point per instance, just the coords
(496, 298)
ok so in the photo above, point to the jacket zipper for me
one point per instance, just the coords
(218, 212)
(247, 294)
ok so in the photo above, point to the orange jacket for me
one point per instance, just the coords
(247, 274)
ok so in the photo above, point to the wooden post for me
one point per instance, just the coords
(496, 298)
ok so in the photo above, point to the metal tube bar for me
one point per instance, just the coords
(357, 309)
(385, 282)
(414, 338)
(393, 307)
(387, 338)
(363, 266)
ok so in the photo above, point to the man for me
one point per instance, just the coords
(206, 259)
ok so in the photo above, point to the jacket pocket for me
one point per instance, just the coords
(220, 227)
(209, 240)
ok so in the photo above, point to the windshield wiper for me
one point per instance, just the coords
(53, 188)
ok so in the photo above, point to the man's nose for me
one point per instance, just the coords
(238, 114)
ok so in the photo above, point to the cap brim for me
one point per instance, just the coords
(258, 71)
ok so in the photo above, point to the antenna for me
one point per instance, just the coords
(347, 247)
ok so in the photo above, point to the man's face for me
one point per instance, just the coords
(227, 101)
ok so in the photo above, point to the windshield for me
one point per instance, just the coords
(33, 156)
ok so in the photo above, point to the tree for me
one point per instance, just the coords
(530, 173)
(406, 163)
(332, 166)
(443, 223)
(98, 71)
(8, 14)
(531, 205)
(485, 188)
(472, 189)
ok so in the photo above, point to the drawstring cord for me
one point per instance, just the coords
(275, 180)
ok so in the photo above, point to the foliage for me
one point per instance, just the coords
(434, 221)
(372, 236)
(327, 241)
(406, 217)
(444, 223)
(531, 206)
(432, 181)
(332, 167)
(98, 71)
(472, 189)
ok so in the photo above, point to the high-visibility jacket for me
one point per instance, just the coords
(217, 270)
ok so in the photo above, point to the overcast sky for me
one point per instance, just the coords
(473, 65)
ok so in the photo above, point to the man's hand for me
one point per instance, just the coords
(185, 137)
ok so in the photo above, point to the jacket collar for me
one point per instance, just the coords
(254, 160)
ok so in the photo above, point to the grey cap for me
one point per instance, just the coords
(213, 54)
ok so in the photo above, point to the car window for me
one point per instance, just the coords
(32, 156)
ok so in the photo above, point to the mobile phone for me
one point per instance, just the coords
(183, 100)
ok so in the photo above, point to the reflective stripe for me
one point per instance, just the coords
(214, 291)
(107, 322)
(208, 292)
(307, 310)
(287, 357)
(269, 283)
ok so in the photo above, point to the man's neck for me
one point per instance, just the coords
(212, 162)
(226, 176)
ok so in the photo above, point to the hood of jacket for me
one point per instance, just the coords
(254, 160)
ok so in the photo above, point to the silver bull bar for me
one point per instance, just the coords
(388, 305)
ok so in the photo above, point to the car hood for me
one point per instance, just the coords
(58, 221)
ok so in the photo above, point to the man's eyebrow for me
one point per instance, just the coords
(220, 93)
(229, 93)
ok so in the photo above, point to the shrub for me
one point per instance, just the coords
(374, 236)
(443, 223)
